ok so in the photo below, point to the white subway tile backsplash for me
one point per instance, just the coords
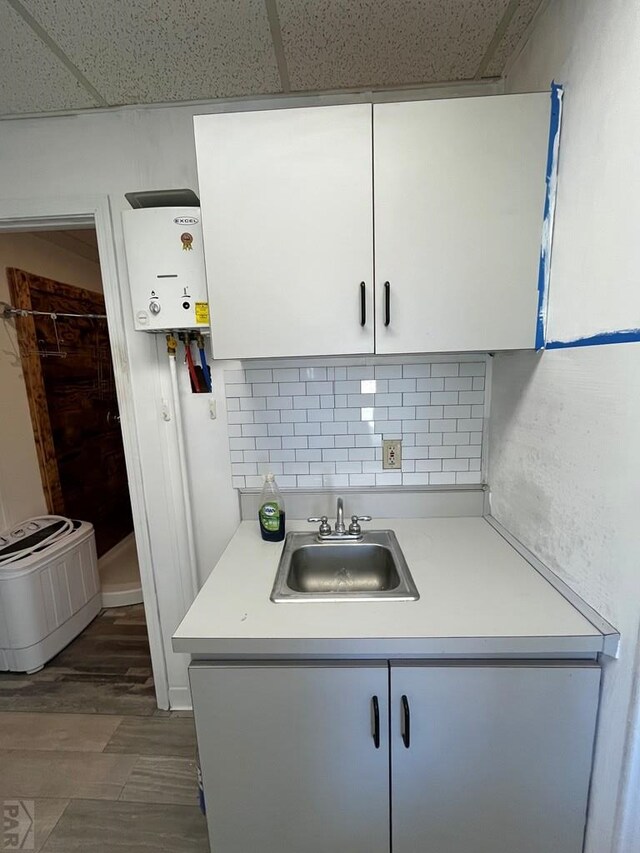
(307, 482)
(387, 371)
(345, 440)
(267, 417)
(446, 478)
(258, 376)
(471, 368)
(319, 388)
(471, 397)
(279, 402)
(239, 390)
(306, 401)
(468, 477)
(457, 411)
(321, 441)
(283, 455)
(320, 415)
(401, 385)
(293, 388)
(322, 426)
(348, 467)
(457, 383)
(234, 377)
(422, 398)
(296, 467)
(265, 389)
(254, 429)
(268, 443)
(308, 455)
(293, 416)
(279, 429)
(335, 455)
(362, 479)
(430, 385)
(288, 374)
(411, 371)
(389, 478)
(315, 374)
(307, 429)
(441, 369)
(360, 373)
(295, 441)
(331, 428)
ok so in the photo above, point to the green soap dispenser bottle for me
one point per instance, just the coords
(271, 514)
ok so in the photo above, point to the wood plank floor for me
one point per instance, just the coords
(106, 670)
(84, 748)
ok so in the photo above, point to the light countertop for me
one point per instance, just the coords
(478, 597)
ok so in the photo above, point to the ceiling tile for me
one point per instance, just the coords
(31, 78)
(516, 29)
(331, 44)
(150, 51)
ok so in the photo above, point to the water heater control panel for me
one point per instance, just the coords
(165, 261)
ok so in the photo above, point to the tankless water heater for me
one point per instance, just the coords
(165, 261)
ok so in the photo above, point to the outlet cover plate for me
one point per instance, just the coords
(392, 454)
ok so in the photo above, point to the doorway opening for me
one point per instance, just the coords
(63, 451)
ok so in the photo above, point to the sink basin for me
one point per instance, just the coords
(372, 568)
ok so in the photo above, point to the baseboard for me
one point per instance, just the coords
(180, 699)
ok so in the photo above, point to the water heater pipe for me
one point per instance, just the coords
(186, 494)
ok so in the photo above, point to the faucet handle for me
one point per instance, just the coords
(354, 527)
(325, 527)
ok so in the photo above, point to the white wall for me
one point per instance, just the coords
(564, 452)
(21, 494)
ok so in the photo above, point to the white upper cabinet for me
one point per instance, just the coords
(287, 215)
(459, 202)
(456, 189)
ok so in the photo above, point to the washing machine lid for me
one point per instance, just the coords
(29, 535)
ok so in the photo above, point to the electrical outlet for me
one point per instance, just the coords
(392, 454)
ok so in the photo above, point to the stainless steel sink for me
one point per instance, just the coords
(371, 568)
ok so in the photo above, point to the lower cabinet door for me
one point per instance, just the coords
(295, 759)
(491, 759)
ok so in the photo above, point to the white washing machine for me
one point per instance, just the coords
(49, 589)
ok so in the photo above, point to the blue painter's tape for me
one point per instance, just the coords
(625, 336)
(549, 211)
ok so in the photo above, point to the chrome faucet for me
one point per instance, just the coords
(354, 533)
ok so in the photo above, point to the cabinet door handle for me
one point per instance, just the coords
(387, 303)
(406, 722)
(363, 304)
(376, 721)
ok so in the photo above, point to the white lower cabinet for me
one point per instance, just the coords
(441, 758)
(289, 758)
(491, 759)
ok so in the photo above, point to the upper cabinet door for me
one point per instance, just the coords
(459, 202)
(287, 214)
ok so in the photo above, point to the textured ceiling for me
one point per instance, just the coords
(76, 54)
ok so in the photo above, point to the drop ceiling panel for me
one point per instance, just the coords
(331, 44)
(32, 79)
(145, 51)
(511, 39)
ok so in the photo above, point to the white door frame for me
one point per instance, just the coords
(95, 210)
